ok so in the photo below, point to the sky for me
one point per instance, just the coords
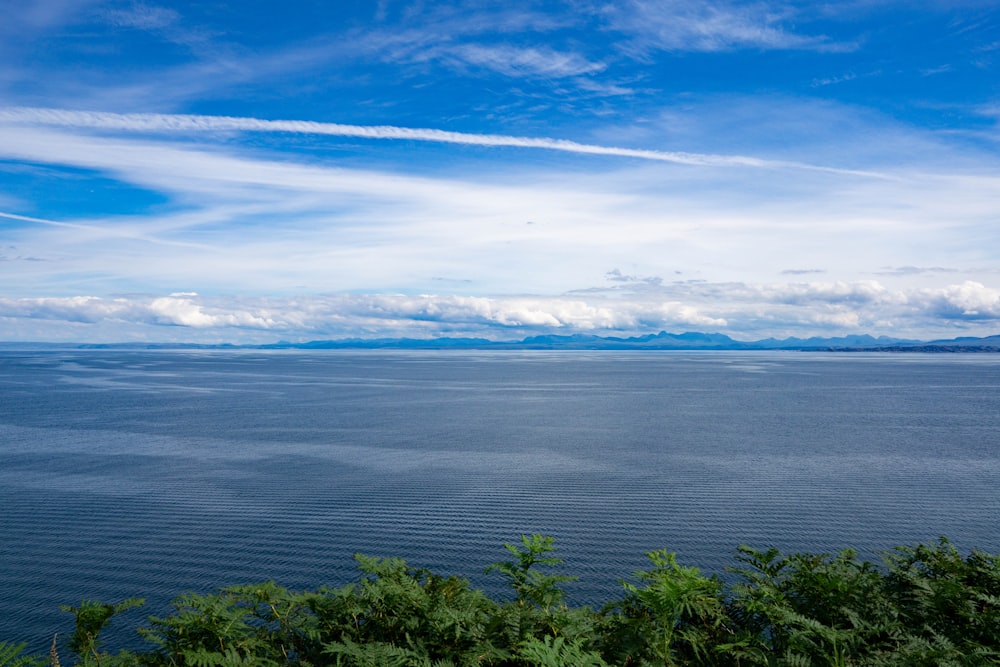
(257, 171)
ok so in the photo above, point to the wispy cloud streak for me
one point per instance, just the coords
(42, 221)
(100, 231)
(147, 122)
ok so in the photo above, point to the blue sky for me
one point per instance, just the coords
(256, 171)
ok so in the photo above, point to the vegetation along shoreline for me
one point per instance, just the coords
(922, 605)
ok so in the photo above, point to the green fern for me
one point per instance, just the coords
(90, 618)
(533, 587)
(558, 652)
(374, 654)
(676, 606)
(11, 656)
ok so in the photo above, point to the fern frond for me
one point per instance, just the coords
(558, 652)
(10, 656)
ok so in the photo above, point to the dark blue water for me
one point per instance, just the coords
(155, 473)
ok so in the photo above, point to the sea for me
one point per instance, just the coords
(154, 473)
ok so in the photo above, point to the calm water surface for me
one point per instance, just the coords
(155, 473)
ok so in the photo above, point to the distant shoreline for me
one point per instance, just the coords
(662, 341)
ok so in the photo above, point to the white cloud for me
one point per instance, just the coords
(838, 320)
(913, 270)
(705, 307)
(833, 80)
(676, 25)
(173, 310)
(515, 61)
(865, 292)
(934, 71)
(968, 301)
(24, 19)
(141, 16)
(380, 314)
(464, 39)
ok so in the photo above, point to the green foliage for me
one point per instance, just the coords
(532, 585)
(928, 606)
(557, 652)
(90, 618)
(10, 656)
(261, 624)
(676, 614)
(539, 627)
(404, 615)
(951, 605)
(813, 608)
(924, 606)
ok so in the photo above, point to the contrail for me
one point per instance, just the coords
(102, 231)
(150, 122)
(42, 221)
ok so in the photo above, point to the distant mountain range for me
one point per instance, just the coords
(661, 341)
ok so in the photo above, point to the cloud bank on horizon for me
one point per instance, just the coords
(239, 173)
